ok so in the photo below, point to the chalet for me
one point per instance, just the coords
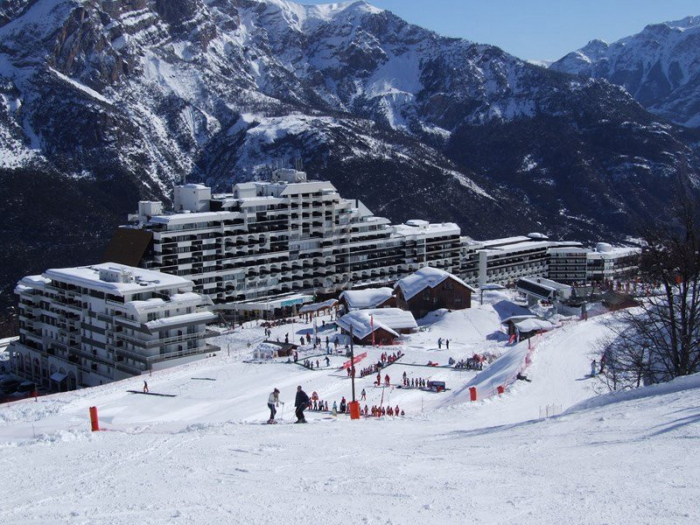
(369, 298)
(430, 289)
(385, 323)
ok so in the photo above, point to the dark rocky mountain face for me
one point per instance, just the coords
(659, 67)
(105, 102)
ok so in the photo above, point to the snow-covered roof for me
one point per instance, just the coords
(529, 245)
(416, 227)
(185, 218)
(141, 280)
(613, 252)
(196, 317)
(426, 277)
(362, 299)
(530, 325)
(318, 306)
(517, 318)
(389, 319)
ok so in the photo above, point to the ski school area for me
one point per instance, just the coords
(467, 441)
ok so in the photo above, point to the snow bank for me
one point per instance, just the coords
(677, 385)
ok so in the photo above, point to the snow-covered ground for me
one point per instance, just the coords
(205, 456)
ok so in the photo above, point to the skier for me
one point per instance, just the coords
(286, 338)
(145, 387)
(439, 343)
(593, 368)
(328, 362)
(343, 405)
(335, 409)
(363, 395)
(301, 402)
(272, 402)
(386, 380)
(447, 344)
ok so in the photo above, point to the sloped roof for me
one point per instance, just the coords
(424, 278)
(330, 303)
(530, 325)
(389, 319)
(370, 298)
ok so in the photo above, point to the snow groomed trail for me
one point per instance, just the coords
(204, 456)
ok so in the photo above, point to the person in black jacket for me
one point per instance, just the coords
(301, 403)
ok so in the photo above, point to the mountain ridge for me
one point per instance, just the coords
(659, 67)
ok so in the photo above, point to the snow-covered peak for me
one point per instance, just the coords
(659, 66)
(301, 17)
(688, 22)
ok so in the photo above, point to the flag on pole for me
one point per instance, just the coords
(371, 323)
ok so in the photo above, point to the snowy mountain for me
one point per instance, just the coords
(660, 67)
(103, 103)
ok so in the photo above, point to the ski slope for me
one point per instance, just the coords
(205, 456)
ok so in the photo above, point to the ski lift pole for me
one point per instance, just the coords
(352, 364)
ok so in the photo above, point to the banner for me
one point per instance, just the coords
(357, 359)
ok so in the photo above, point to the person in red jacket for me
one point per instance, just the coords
(386, 380)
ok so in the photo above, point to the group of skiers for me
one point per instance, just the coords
(383, 411)
(368, 371)
(414, 382)
(476, 362)
(594, 366)
(378, 381)
(302, 402)
(311, 365)
(441, 341)
(386, 359)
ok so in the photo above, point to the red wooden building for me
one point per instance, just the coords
(430, 289)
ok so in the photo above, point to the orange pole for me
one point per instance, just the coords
(93, 419)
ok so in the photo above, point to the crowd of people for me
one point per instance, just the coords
(414, 382)
(303, 402)
(476, 362)
(376, 411)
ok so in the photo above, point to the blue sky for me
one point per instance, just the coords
(536, 29)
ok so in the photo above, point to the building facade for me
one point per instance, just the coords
(604, 263)
(287, 236)
(92, 325)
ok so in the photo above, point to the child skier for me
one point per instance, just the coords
(273, 401)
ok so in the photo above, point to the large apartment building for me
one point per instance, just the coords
(92, 325)
(504, 261)
(265, 241)
(602, 264)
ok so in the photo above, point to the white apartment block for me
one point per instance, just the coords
(605, 263)
(504, 261)
(277, 240)
(92, 325)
